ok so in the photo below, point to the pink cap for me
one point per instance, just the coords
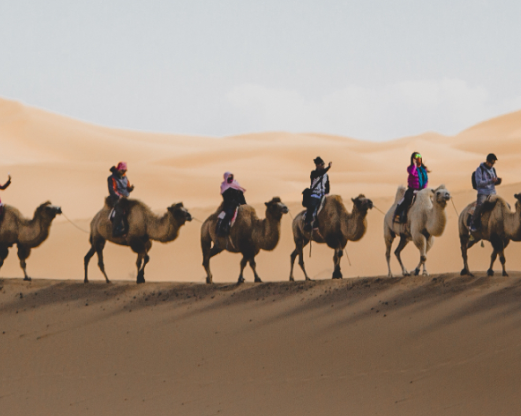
(122, 166)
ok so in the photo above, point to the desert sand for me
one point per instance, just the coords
(441, 345)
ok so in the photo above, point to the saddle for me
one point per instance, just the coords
(118, 216)
(223, 228)
(405, 213)
(488, 205)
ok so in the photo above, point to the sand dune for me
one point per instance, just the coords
(442, 345)
(438, 346)
(66, 161)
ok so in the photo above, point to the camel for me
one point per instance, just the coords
(25, 233)
(143, 227)
(426, 219)
(336, 227)
(498, 225)
(248, 236)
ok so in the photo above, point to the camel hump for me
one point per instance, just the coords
(126, 203)
(400, 192)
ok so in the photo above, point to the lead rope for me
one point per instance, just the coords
(454, 205)
(77, 226)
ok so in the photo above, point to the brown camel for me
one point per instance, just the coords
(426, 219)
(26, 233)
(143, 227)
(336, 228)
(499, 225)
(248, 236)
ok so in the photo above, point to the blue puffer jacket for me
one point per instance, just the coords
(484, 176)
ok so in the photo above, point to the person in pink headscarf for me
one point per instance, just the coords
(119, 187)
(233, 196)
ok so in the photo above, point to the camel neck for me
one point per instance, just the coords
(355, 224)
(34, 231)
(437, 219)
(267, 232)
(163, 228)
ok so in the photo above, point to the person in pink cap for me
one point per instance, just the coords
(119, 187)
(233, 196)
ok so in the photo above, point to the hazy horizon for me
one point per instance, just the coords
(371, 70)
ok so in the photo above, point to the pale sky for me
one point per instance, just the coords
(373, 70)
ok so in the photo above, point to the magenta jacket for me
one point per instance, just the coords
(418, 178)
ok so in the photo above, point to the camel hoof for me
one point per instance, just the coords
(505, 274)
(140, 280)
(464, 272)
(309, 279)
(86, 281)
(490, 272)
(241, 280)
(27, 279)
(291, 279)
(416, 272)
(258, 280)
(108, 281)
(208, 280)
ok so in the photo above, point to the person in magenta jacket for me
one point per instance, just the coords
(417, 180)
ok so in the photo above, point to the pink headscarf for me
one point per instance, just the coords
(122, 166)
(235, 185)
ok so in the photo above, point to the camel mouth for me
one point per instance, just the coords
(285, 209)
(58, 210)
(188, 217)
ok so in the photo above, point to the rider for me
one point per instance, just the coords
(119, 187)
(2, 187)
(319, 188)
(233, 196)
(486, 181)
(416, 181)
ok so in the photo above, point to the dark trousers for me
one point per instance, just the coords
(401, 209)
(313, 205)
(476, 216)
(119, 221)
(223, 226)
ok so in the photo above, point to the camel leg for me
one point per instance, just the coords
(337, 274)
(401, 245)
(389, 238)
(99, 251)
(207, 255)
(299, 251)
(86, 261)
(244, 261)
(140, 270)
(421, 243)
(464, 240)
(498, 246)
(23, 253)
(253, 266)
(4, 251)
(292, 258)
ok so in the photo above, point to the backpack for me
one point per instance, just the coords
(474, 184)
(306, 193)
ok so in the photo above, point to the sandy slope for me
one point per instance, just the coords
(442, 345)
(437, 346)
(66, 161)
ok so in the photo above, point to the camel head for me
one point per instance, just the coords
(48, 211)
(441, 195)
(362, 203)
(180, 213)
(276, 208)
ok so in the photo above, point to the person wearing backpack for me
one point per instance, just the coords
(318, 189)
(484, 180)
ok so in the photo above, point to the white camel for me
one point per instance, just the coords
(426, 219)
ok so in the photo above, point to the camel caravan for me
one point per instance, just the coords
(418, 214)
